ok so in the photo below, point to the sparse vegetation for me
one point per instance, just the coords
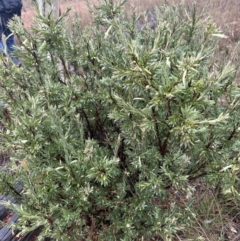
(117, 134)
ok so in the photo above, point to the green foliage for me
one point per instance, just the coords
(107, 125)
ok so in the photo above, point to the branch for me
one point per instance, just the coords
(233, 133)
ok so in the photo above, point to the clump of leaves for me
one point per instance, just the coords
(108, 125)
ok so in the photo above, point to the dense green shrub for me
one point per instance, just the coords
(107, 126)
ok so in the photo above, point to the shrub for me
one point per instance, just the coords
(108, 126)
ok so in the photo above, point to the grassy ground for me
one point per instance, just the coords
(216, 219)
